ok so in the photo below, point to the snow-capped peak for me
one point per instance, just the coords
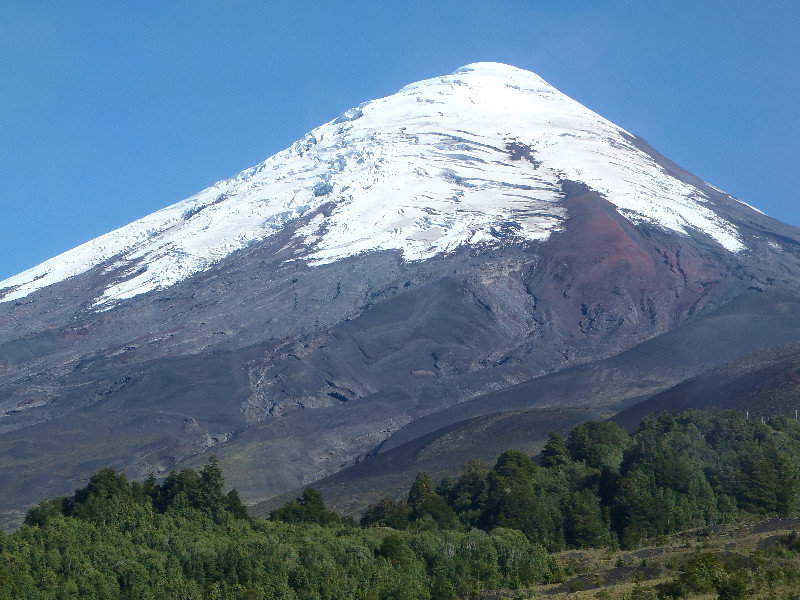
(443, 162)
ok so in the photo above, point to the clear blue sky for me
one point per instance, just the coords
(111, 110)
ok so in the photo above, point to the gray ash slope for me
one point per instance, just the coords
(765, 384)
(297, 350)
(658, 374)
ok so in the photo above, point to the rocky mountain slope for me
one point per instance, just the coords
(470, 233)
(669, 372)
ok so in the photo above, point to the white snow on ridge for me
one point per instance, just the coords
(423, 171)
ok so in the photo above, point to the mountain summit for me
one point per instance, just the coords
(474, 244)
(468, 158)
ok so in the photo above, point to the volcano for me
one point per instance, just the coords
(474, 244)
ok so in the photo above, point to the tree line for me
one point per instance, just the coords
(487, 528)
(602, 487)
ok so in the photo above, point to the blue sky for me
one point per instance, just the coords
(111, 110)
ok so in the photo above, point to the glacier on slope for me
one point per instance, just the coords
(444, 162)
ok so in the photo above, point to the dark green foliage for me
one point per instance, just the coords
(734, 585)
(387, 513)
(309, 508)
(182, 539)
(599, 444)
(467, 493)
(443, 589)
(640, 592)
(110, 499)
(235, 506)
(435, 507)
(485, 529)
(790, 543)
(584, 523)
(424, 501)
(555, 453)
(187, 490)
(705, 572)
(702, 467)
(421, 489)
(512, 501)
(45, 512)
(395, 549)
(603, 487)
(210, 486)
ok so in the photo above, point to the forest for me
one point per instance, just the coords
(484, 529)
(602, 487)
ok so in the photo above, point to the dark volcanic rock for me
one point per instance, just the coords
(764, 384)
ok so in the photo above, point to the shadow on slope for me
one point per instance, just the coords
(749, 323)
(766, 384)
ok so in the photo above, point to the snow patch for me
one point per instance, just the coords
(424, 171)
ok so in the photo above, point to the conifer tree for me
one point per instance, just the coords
(555, 453)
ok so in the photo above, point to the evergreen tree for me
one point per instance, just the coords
(555, 453)
(424, 501)
(387, 513)
(599, 444)
(309, 508)
(421, 489)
